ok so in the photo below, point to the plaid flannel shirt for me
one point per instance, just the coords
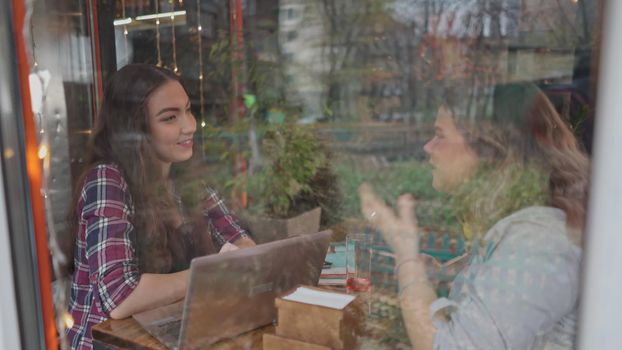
(106, 267)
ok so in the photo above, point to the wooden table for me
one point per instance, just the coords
(129, 334)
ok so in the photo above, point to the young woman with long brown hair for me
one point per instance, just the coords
(129, 253)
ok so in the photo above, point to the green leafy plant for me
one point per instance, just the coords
(296, 175)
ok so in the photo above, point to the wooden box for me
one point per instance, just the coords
(312, 322)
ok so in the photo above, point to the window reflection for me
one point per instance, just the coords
(297, 103)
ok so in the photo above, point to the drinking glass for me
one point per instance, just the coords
(358, 262)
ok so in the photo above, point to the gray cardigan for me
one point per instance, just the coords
(519, 292)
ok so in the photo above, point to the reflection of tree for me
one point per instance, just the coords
(343, 24)
(396, 51)
(218, 74)
(558, 23)
(362, 46)
(392, 53)
(457, 40)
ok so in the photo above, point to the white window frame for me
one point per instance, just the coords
(601, 302)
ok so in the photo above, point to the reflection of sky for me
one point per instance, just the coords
(456, 18)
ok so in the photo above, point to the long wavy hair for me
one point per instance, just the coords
(121, 136)
(528, 156)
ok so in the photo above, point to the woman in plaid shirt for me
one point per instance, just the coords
(130, 254)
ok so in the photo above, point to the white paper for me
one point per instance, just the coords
(320, 298)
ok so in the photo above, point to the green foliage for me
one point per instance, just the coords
(296, 174)
(294, 158)
(325, 192)
(433, 208)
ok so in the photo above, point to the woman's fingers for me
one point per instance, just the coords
(374, 209)
(406, 210)
(368, 198)
(369, 202)
(398, 227)
(377, 213)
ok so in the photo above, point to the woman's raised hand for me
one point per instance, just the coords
(398, 227)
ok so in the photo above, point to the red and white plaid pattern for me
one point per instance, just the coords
(106, 267)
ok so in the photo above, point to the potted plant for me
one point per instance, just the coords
(292, 186)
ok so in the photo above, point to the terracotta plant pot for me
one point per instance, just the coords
(266, 229)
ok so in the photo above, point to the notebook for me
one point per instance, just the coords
(232, 293)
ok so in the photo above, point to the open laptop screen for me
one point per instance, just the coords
(234, 292)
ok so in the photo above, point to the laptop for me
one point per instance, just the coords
(233, 292)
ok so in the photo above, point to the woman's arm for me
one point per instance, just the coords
(119, 289)
(172, 287)
(416, 296)
(153, 290)
(241, 243)
(399, 229)
(224, 225)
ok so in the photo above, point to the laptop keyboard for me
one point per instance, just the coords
(166, 331)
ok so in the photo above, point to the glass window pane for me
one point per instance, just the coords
(481, 110)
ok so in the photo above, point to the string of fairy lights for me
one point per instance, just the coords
(175, 68)
(125, 32)
(157, 12)
(63, 318)
(157, 15)
(199, 39)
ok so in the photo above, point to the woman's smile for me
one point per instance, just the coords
(186, 143)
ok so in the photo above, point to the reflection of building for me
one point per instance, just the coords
(386, 53)
(489, 42)
(549, 32)
(549, 22)
(372, 63)
(345, 61)
(302, 38)
(540, 36)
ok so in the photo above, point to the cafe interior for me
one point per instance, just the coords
(307, 120)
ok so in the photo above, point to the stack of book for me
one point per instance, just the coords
(333, 276)
(314, 319)
(334, 271)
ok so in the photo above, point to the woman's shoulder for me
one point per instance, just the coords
(541, 215)
(105, 174)
(537, 225)
(104, 186)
